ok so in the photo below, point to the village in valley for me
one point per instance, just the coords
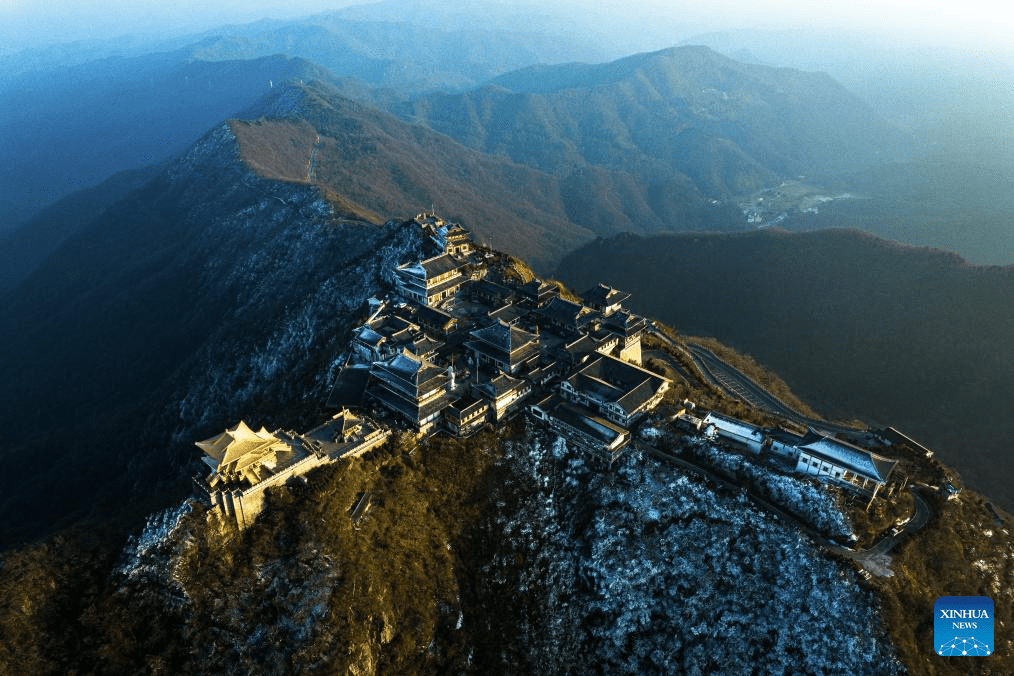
(469, 338)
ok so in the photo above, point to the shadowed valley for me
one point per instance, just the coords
(858, 326)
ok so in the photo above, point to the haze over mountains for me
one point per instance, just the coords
(952, 97)
(71, 117)
(410, 50)
(538, 159)
(673, 134)
(655, 142)
(541, 173)
(132, 277)
(649, 113)
(68, 129)
(956, 102)
(234, 222)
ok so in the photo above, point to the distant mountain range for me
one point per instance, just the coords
(858, 326)
(376, 164)
(126, 293)
(663, 141)
(72, 116)
(98, 287)
(646, 144)
(167, 303)
(731, 127)
(188, 237)
(406, 56)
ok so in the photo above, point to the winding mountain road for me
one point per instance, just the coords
(734, 383)
(737, 385)
(875, 554)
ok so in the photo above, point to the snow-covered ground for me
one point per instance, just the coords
(650, 570)
(815, 504)
(644, 569)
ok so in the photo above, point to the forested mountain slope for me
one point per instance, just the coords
(858, 326)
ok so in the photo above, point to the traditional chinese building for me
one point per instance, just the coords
(812, 454)
(718, 425)
(592, 432)
(430, 281)
(452, 238)
(467, 415)
(836, 459)
(505, 347)
(618, 390)
(627, 328)
(538, 292)
(605, 299)
(242, 457)
(565, 317)
(245, 463)
(492, 294)
(436, 320)
(346, 434)
(386, 335)
(412, 387)
(458, 241)
(504, 394)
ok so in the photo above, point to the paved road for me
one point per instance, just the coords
(736, 384)
(727, 378)
(732, 382)
(647, 353)
(705, 378)
(311, 169)
(919, 519)
(876, 559)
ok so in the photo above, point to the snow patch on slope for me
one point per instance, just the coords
(648, 570)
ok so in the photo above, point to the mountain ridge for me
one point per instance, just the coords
(70, 129)
(382, 164)
(192, 290)
(226, 287)
(379, 163)
(463, 537)
(630, 115)
(215, 294)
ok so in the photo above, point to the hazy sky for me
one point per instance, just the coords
(984, 23)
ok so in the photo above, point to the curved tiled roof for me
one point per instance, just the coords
(602, 295)
(439, 265)
(853, 458)
(505, 337)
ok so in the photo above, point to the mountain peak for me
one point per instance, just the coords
(671, 115)
(690, 60)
